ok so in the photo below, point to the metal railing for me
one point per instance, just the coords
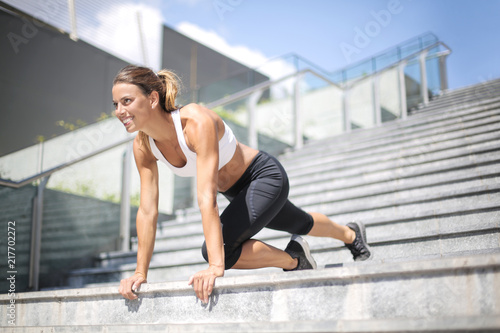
(253, 95)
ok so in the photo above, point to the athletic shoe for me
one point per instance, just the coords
(359, 248)
(298, 248)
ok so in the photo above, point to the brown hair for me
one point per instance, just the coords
(166, 83)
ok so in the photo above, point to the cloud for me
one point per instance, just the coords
(252, 58)
(115, 29)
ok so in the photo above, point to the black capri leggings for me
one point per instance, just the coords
(259, 199)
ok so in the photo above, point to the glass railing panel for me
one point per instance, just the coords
(389, 96)
(98, 177)
(275, 114)
(387, 59)
(16, 206)
(360, 105)
(428, 39)
(83, 141)
(413, 84)
(21, 164)
(433, 76)
(362, 69)
(81, 214)
(321, 108)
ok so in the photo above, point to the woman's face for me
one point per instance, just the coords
(132, 107)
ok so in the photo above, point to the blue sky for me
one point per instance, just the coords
(316, 29)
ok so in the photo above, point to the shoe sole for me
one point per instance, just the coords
(362, 229)
(307, 251)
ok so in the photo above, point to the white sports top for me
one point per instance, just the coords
(227, 147)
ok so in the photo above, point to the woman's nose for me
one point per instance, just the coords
(119, 110)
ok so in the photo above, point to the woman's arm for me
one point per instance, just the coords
(202, 134)
(146, 221)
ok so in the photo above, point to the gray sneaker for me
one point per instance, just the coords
(359, 248)
(298, 248)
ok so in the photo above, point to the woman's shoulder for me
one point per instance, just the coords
(197, 114)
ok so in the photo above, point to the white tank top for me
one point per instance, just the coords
(227, 147)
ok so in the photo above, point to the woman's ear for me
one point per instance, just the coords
(154, 99)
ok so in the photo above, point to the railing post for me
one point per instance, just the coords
(297, 113)
(376, 100)
(443, 74)
(345, 107)
(125, 200)
(72, 18)
(424, 91)
(253, 136)
(402, 90)
(36, 235)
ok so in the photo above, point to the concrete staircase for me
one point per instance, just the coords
(428, 190)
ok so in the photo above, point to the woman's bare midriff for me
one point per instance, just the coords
(235, 168)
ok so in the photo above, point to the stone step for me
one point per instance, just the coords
(387, 176)
(462, 134)
(194, 237)
(397, 139)
(392, 130)
(458, 287)
(446, 100)
(489, 142)
(468, 94)
(449, 324)
(431, 236)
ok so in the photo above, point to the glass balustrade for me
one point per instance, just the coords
(321, 108)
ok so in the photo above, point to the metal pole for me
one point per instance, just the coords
(443, 75)
(297, 113)
(142, 39)
(36, 236)
(345, 106)
(376, 100)
(72, 18)
(125, 200)
(253, 136)
(424, 92)
(402, 90)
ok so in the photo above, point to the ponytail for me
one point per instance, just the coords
(170, 83)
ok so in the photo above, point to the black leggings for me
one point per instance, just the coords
(259, 199)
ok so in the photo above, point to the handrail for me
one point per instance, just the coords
(222, 101)
(408, 57)
(26, 181)
(264, 85)
(385, 51)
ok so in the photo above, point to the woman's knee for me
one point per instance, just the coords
(230, 256)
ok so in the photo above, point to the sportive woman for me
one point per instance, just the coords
(194, 141)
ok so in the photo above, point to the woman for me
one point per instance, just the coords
(194, 141)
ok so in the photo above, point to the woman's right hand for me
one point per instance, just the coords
(130, 285)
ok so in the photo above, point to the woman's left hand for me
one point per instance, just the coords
(203, 282)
